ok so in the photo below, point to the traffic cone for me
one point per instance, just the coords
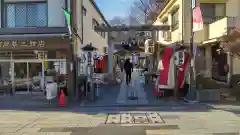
(62, 99)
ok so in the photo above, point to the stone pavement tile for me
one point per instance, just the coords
(26, 130)
(9, 125)
(193, 126)
(11, 133)
(49, 133)
(88, 123)
(158, 132)
(67, 129)
(17, 118)
(190, 132)
(80, 122)
(223, 129)
(227, 133)
(170, 117)
(98, 115)
(9, 130)
(54, 125)
(14, 122)
(52, 122)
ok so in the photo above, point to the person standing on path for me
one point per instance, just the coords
(128, 67)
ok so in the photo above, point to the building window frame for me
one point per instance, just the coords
(94, 23)
(210, 17)
(27, 13)
(175, 20)
(165, 22)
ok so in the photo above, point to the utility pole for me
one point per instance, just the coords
(71, 66)
(190, 95)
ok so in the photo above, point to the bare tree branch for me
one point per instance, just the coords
(148, 9)
(117, 21)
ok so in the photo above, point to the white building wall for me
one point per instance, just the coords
(89, 35)
(232, 8)
(176, 35)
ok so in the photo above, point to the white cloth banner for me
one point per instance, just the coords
(197, 19)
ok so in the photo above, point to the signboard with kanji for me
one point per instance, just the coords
(22, 44)
(51, 44)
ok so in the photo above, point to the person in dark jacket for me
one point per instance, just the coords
(128, 67)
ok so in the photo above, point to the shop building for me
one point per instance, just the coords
(34, 38)
(219, 18)
(87, 15)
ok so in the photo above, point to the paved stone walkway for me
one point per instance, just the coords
(233, 107)
(120, 95)
(187, 120)
(135, 89)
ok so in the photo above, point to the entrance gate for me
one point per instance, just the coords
(27, 74)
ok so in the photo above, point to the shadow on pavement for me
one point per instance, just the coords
(35, 103)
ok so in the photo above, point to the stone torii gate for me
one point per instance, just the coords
(107, 29)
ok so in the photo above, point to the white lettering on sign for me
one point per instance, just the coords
(14, 44)
(22, 44)
(41, 43)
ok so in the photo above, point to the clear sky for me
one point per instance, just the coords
(111, 8)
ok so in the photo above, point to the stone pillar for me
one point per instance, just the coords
(208, 61)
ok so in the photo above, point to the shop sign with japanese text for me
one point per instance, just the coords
(24, 44)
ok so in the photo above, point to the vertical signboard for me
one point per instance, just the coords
(197, 19)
